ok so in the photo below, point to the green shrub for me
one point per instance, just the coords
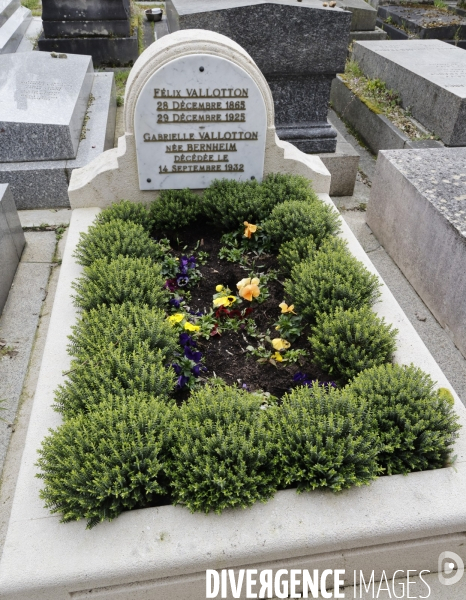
(324, 438)
(332, 278)
(346, 342)
(122, 325)
(295, 251)
(125, 279)
(298, 219)
(114, 371)
(278, 188)
(127, 211)
(113, 239)
(228, 203)
(417, 425)
(174, 209)
(94, 467)
(221, 457)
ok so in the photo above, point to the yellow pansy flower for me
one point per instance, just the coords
(190, 327)
(277, 356)
(280, 344)
(287, 309)
(224, 301)
(250, 229)
(176, 318)
(219, 288)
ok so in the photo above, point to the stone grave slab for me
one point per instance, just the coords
(363, 17)
(42, 105)
(417, 211)
(430, 76)
(14, 21)
(12, 242)
(44, 184)
(197, 108)
(426, 22)
(298, 46)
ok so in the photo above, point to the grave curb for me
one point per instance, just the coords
(398, 522)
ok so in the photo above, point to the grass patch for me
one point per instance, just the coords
(34, 6)
(381, 100)
(121, 77)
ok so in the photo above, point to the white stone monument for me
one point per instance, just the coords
(197, 108)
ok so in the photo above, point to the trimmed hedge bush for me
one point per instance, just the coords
(295, 251)
(221, 455)
(174, 209)
(113, 239)
(324, 438)
(125, 279)
(331, 279)
(417, 425)
(95, 467)
(122, 325)
(228, 203)
(297, 219)
(346, 342)
(278, 188)
(115, 371)
(127, 211)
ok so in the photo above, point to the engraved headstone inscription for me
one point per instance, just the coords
(201, 116)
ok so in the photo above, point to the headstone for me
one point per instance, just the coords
(101, 28)
(14, 21)
(200, 117)
(430, 77)
(12, 242)
(417, 211)
(56, 114)
(197, 108)
(425, 22)
(363, 14)
(42, 105)
(298, 46)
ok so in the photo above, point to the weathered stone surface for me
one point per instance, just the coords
(7, 8)
(82, 10)
(426, 22)
(363, 15)
(114, 27)
(42, 105)
(44, 184)
(13, 26)
(298, 46)
(377, 34)
(430, 77)
(11, 242)
(108, 51)
(417, 211)
(343, 167)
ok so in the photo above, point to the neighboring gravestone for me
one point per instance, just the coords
(56, 114)
(14, 21)
(298, 46)
(430, 77)
(417, 211)
(101, 28)
(197, 108)
(12, 242)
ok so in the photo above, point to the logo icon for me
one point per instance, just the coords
(448, 563)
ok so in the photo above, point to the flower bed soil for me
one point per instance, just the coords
(225, 355)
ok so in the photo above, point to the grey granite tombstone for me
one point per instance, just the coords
(42, 105)
(11, 242)
(430, 76)
(417, 211)
(101, 28)
(299, 46)
(56, 115)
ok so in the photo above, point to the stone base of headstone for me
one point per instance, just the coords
(44, 184)
(343, 167)
(14, 21)
(416, 211)
(12, 242)
(105, 51)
